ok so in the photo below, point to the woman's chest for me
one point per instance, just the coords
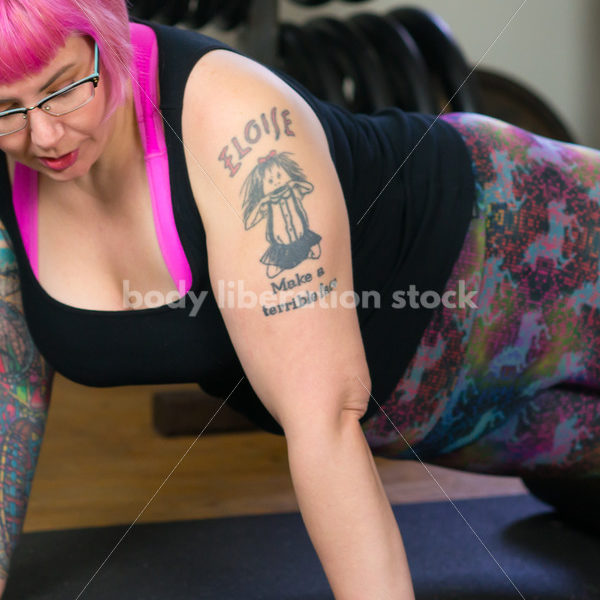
(102, 257)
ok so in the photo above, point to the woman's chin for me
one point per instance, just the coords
(62, 176)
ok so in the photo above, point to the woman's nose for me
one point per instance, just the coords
(45, 130)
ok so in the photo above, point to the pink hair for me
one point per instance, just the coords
(32, 32)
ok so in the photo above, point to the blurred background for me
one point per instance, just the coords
(551, 46)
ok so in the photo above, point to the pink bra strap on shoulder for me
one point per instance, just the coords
(24, 196)
(145, 88)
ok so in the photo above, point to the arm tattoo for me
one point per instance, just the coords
(25, 386)
(274, 191)
(273, 194)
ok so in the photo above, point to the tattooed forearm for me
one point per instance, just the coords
(25, 386)
(20, 443)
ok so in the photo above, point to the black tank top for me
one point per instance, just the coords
(412, 234)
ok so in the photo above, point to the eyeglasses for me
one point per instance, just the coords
(63, 102)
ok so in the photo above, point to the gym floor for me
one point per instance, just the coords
(102, 463)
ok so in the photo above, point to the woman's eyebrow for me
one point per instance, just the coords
(48, 83)
(56, 76)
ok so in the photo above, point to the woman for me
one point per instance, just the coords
(273, 248)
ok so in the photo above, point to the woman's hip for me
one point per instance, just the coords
(532, 257)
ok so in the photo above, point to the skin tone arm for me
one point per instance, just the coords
(25, 387)
(276, 223)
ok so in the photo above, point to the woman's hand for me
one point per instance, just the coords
(299, 342)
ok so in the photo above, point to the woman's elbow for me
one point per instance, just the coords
(329, 413)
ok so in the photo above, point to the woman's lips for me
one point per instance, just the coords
(62, 162)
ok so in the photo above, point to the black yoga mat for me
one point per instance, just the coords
(271, 558)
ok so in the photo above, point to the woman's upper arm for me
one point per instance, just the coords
(278, 238)
(38, 374)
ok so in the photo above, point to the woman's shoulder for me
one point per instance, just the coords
(236, 112)
(226, 71)
(225, 87)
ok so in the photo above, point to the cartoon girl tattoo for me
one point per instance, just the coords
(274, 191)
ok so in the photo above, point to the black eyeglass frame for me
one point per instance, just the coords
(94, 78)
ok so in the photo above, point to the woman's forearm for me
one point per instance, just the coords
(20, 444)
(23, 412)
(347, 513)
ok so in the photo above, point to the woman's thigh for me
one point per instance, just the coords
(554, 434)
(483, 373)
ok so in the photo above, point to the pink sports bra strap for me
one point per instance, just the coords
(145, 95)
(24, 193)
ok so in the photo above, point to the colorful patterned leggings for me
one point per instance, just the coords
(512, 387)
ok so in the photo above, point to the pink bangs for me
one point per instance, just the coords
(32, 32)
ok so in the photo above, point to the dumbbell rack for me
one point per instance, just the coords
(258, 35)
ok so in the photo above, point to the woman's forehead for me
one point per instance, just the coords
(66, 57)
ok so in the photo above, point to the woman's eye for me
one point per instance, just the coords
(60, 87)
